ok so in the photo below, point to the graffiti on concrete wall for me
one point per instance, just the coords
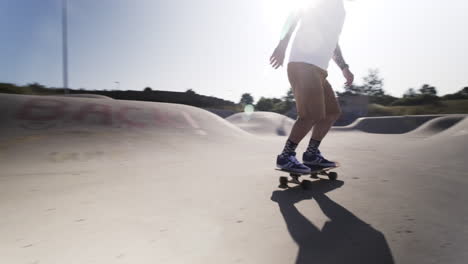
(44, 113)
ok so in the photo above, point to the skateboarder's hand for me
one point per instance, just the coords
(349, 76)
(277, 58)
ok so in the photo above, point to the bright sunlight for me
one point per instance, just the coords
(276, 11)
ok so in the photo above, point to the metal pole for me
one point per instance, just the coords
(65, 45)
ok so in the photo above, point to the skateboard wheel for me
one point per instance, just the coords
(333, 176)
(295, 178)
(305, 184)
(283, 181)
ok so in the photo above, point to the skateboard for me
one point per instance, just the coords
(314, 174)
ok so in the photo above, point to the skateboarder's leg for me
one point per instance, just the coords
(312, 156)
(332, 113)
(307, 83)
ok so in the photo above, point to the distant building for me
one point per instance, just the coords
(353, 107)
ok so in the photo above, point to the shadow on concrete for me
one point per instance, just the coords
(343, 239)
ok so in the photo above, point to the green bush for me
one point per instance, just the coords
(442, 107)
(421, 99)
(379, 110)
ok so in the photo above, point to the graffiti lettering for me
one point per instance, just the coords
(45, 113)
(122, 115)
(42, 110)
(165, 118)
(99, 110)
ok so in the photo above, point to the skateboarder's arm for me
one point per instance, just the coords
(340, 61)
(277, 58)
(289, 27)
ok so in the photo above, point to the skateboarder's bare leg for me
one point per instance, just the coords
(307, 84)
(333, 112)
(322, 128)
(312, 156)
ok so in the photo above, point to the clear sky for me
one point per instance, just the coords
(222, 48)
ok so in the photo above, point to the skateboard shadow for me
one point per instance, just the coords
(344, 238)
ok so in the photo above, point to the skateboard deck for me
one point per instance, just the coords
(314, 174)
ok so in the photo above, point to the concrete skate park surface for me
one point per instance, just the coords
(263, 123)
(107, 181)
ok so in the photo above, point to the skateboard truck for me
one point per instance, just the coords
(314, 174)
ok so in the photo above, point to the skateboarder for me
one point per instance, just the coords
(315, 44)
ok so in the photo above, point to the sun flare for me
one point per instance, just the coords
(276, 11)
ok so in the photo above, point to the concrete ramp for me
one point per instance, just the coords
(263, 123)
(44, 129)
(387, 125)
(438, 125)
(25, 114)
(458, 129)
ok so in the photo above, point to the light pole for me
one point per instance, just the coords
(65, 45)
(118, 85)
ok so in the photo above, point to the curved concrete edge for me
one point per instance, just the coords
(387, 124)
(437, 125)
(26, 113)
(268, 123)
(93, 96)
(458, 129)
(262, 123)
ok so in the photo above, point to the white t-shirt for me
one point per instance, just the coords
(318, 33)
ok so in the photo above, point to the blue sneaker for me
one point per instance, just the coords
(316, 159)
(291, 164)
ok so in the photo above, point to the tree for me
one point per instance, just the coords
(354, 90)
(372, 87)
(246, 99)
(264, 104)
(411, 92)
(36, 86)
(464, 91)
(147, 90)
(426, 89)
(373, 84)
(288, 101)
(272, 105)
(190, 92)
(460, 95)
(289, 97)
(427, 96)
